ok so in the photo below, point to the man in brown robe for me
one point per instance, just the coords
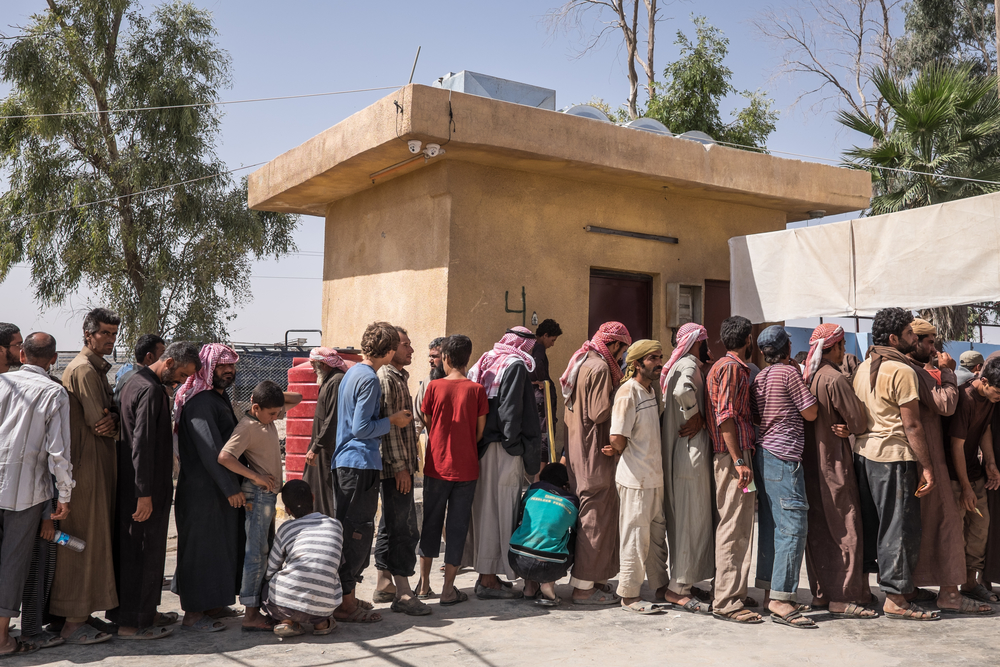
(991, 572)
(942, 545)
(85, 581)
(588, 387)
(834, 547)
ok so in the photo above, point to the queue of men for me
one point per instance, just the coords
(884, 466)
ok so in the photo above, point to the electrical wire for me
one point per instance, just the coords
(198, 104)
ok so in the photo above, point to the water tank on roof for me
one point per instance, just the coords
(650, 125)
(585, 111)
(496, 88)
(700, 137)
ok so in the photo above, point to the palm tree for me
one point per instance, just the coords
(943, 144)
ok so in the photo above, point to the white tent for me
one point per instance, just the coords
(943, 255)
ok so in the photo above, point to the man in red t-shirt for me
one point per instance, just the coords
(454, 410)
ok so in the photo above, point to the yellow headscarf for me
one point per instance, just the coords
(639, 350)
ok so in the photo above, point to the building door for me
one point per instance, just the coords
(716, 310)
(621, 297)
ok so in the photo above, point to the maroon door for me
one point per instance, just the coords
(621, 297)
(716, 310)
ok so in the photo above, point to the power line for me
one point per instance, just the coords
(198, 104)
(289, 277)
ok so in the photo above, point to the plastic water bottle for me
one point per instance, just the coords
(70, 542)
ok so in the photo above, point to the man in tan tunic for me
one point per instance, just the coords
(588, 387)
(85, 581)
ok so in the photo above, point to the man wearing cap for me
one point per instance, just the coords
(635, 436)
(687, 468)
(834, 547)
(942, 555)
(970, 363)
(510, 448)
(330, 369)
(730, 428)
(588, 388)
(782, 403)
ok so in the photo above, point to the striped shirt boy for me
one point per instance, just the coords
(779, 395)
(304, 563)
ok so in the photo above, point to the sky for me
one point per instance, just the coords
(298, 47)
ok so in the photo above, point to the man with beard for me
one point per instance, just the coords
(85, 581)
(889, 456)
(588, 388)
(635, 437)
(510, 448)
(10, 346)
(942, 554)
(546, 334)
(145, 491)
(208, 512)
(330, 369)
(687, 469)
(436, 373)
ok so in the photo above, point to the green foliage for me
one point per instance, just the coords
(177, 261)
(697, 83)
(946, 123)
(619, 115)
(951, 31)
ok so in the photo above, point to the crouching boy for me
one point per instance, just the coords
(302, 584)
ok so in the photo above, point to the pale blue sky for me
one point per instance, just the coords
(299, 46)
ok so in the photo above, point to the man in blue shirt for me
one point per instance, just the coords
(357, 462)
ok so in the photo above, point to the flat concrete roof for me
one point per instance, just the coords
(340, 161)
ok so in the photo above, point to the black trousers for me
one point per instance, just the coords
(454, 501)
(355, 492)
(537, 570)
(140, 558)
(892, 521)
(396, 544)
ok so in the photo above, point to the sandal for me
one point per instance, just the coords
(206, 624)
(642, 607)
(23, 648)
(164, 618)
(794, 620)
(854, 610)
(982, 594)
(701, 594)
(694, 606)
(288, 629)
(383, 596)
(361, 615)
(599, 597)
(743, 615)
(968, 607)
(912, 613)
(410, 607)
(546, 602)
(923, 595)
(225, 612)
(151, 632)
(365, 604)
(423, 596)
(44, 639)
(331, 625)
(87, 634)
(459, 597)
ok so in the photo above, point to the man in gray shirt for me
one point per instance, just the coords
(969, 365)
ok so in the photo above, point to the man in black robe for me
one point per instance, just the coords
(330, 369)
(145, 491)
(209, 514)
(546, 334)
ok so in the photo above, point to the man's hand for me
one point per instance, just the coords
(744, 475)
(48, 531)
(608, 450)
(266, 482)
(143, 508)
(945, 359)
(992, 477)
(692, 426)
(62, 511)
(968, 498)
(841, 430)
(237, 500)
(311, 458)
(928, 485)
(403, 482)
(401, 418)
(106, 424)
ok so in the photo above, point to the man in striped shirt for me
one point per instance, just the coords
(302, 580)
(730, 427)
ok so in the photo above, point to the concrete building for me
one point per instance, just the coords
(530, 199)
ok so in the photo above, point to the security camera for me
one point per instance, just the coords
(432, 150)
(414, 146)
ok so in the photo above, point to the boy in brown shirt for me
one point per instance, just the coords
(256, 439)
(970, 433)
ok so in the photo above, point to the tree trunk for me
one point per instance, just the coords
(952, 322)
(996, 17)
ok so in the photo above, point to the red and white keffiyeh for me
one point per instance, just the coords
(515, 346)
(823, 337)
(609, 332)
(211, 355)
(687, 336)
(328, 356)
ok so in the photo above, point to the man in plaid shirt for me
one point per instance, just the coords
(730, 427)
(398, 534)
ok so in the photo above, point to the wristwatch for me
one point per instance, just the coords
(740, 462)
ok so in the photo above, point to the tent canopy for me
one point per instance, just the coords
(943, 255)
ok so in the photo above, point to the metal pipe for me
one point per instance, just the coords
(634, 235)
(398, 165)
(414, 69)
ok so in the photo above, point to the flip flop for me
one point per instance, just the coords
(206, 624)
(967, 607)
(855, 611)
(546, 602)
(460, 597)
(288, 629)
(642, 607)
(23, 648)
(789, 620)
(361, 615)
(742, 616)
(151, 632)
(165, 618)
(599, 598)
(331, 626)
(911, 614)
(982, 594)
(87, 634)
